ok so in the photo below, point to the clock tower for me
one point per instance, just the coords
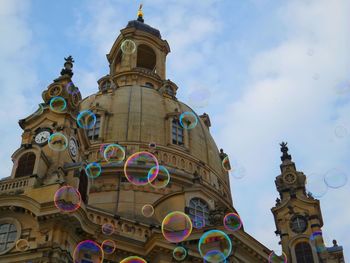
(298, 217)
(50, 134)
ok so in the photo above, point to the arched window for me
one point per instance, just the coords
(199, 212)
(8, 234)
(83, 184)
(146, 58)
(177, 133)
(25, 165)
(303, 253)
(170, 91)
(94, 132)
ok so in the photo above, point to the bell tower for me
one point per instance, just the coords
(298, 216)
(49, 131)
(138, 49)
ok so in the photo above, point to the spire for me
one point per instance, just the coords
(284, 150)
(68, 65)
(140, 14)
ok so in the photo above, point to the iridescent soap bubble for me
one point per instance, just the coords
(128, 46)
(232, 222)
(67, 199)
(108, 246)
(335, 178)
(199, 98)
(88, 249)
(72, 89)
(214, 246)
(316, 242)
(107, 229)
(179, 253)
(114, 153)
(137, 166)
(188, 120)
(340, 131)
(147, 210)
(161, 180)
(277, 257)
(238, 171)
(343, 87)
(86, 119)
(102, 149)
(58, 104)
(226, 164)
(215, 256)
(133, 259)
(22, 245)
(93, 170)
(58, 142)
(316, 186)
(176, 227)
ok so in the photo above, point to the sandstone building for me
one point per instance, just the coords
(136, 107)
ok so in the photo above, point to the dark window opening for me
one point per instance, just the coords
(177, 133)
(83, 185)
(170, 91)
(146, 58)
(25, 165)
(303, 253)
(149, 85)
(94, 132)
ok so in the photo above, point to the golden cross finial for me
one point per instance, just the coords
(139, 12)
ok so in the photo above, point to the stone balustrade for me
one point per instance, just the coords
(14, 185)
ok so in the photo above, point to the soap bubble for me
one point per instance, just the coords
(22, 245)
(58, 142)
(145, 161)
(108, 229)
(214, 246)
(176, 227)
(147, 210)
(128, 46)
(108, 246)
(179, 253)
(335, 178)
(133, 259)
(88, 249)
(232, 222)
(67, 199)
(86, 119)
(188, 120)
(161, 180)
(58, 104)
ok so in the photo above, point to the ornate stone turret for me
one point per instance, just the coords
(297, 215)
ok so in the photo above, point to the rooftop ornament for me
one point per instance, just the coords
(140, 14)
(68, 65)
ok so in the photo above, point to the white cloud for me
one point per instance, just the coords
(291, 97)
(17, 78)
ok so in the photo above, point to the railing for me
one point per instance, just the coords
(13, 185)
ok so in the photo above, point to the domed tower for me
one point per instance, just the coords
(135, 107)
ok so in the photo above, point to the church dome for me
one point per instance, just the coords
(136, 107)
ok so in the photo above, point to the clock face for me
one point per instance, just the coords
(73, 147)
(289, 178)
(42, 137)
(298, 224)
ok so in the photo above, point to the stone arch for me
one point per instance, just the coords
(146, 57)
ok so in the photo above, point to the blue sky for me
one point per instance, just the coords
(274, 70)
